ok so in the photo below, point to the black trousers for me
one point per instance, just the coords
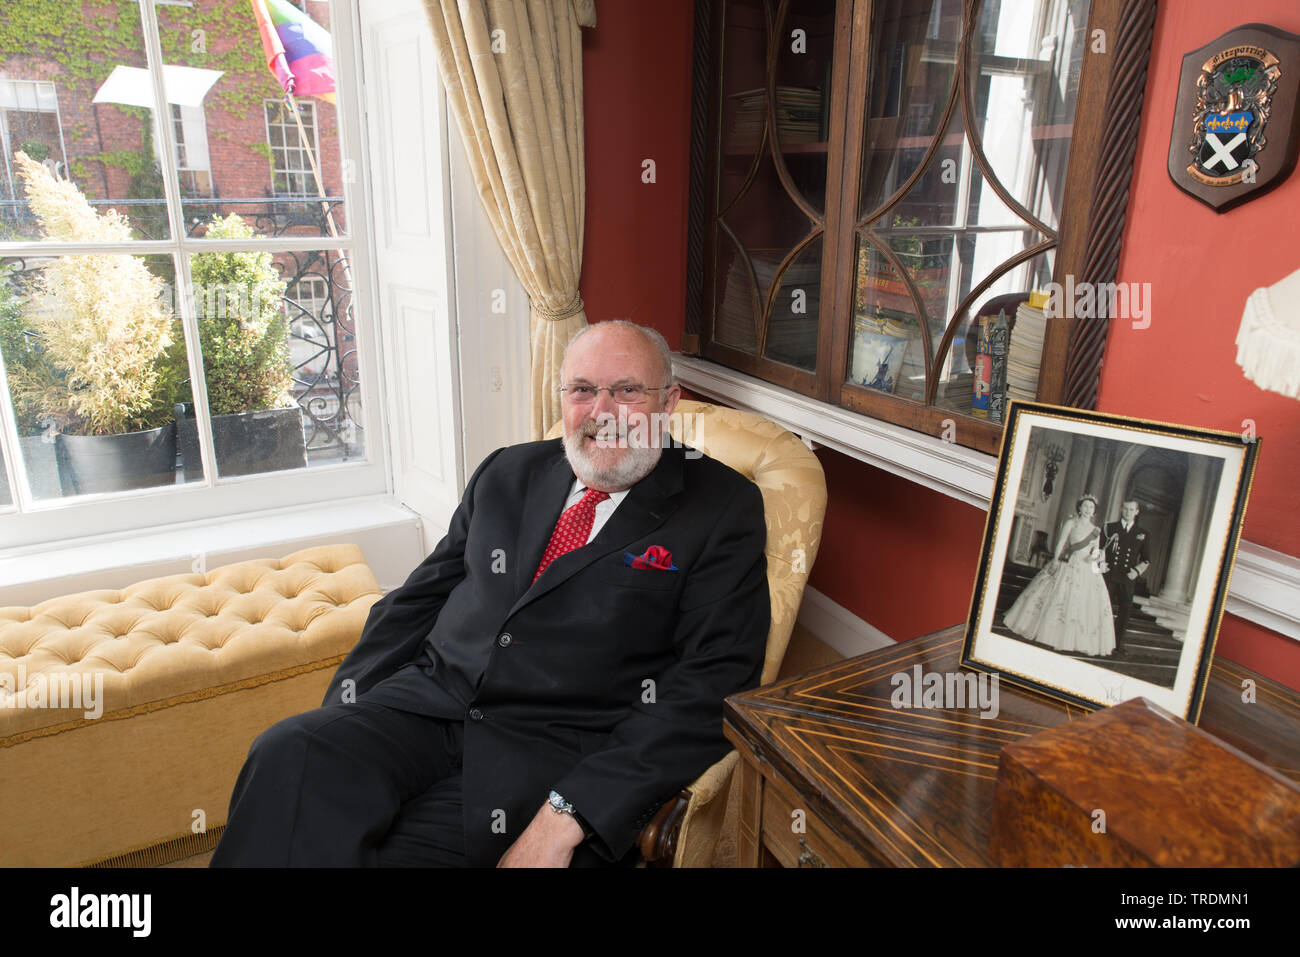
(349, 785)
(1121, 597)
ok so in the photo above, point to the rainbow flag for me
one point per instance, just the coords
(299, 51)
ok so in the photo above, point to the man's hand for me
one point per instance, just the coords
(548, 841)
(1132, 574)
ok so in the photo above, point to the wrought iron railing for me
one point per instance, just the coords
(322, 328)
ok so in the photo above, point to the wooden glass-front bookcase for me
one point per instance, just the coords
(870, 177)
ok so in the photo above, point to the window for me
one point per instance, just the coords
(178, 355)
(192, 161)
(29, 121)
(290, 154)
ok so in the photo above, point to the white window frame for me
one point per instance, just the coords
(32, 527)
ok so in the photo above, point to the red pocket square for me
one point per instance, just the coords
(655, 557)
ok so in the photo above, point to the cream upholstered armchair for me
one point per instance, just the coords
(686, 829)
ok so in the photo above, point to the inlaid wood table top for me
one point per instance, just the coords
(910, 787)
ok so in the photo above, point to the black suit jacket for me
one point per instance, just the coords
(1126, 550)
(602, 681)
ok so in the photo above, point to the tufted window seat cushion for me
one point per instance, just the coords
(126, 715)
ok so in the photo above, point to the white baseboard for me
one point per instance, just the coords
(838, 627)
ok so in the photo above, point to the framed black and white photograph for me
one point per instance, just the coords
(1106, 556)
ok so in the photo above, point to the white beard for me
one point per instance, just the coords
(637, 461)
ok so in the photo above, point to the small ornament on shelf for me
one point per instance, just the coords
(979, 403)
(998, 341)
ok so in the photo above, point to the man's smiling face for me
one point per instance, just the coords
(599, 433)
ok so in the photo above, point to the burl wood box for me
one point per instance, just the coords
(1135, 786)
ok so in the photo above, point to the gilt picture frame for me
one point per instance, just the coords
(1107, 554)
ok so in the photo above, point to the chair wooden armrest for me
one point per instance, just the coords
(658, 840)
(695, 808)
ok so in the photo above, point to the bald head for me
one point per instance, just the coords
(620, 334)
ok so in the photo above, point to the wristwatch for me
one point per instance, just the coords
(561, 806)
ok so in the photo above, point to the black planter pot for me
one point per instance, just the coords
(116, 463)
(246, 443)
(42, 464)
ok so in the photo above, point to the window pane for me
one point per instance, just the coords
(772, 177)
(95, 360)
(981, 183)
(77, 100)
(247, 148)
(6, 498)
(888, 345)
(792, 324)
(279, 356)
(970, 381)
(1025, 65)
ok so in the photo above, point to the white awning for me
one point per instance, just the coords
(131, 86)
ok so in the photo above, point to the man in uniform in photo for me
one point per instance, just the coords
(1127, 559)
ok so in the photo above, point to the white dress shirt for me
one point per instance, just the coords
(603, 511)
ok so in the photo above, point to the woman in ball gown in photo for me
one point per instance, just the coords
(1067, 605)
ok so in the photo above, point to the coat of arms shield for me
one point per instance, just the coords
(1235, 129)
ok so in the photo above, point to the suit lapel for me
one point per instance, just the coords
(548, 487)
(648, 505)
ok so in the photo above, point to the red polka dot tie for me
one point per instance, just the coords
(573, 528)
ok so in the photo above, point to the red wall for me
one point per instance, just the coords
(636, 82)
(899, 556)
(1202, 266)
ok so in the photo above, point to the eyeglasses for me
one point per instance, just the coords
(630, 394)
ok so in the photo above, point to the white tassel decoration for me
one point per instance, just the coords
(1268, 342)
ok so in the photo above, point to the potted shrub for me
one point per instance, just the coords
(244, 337)
(102, 328)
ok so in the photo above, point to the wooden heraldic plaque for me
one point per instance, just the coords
(1237, 124)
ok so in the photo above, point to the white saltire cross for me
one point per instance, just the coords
(1222, 151)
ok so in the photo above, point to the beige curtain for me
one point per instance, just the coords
(513, 74)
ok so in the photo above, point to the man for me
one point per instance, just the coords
(1127, 560)
(553, 671)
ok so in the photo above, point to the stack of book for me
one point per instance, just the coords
(733, 318)
(1026, 352)
(798, 117)
(791, 335)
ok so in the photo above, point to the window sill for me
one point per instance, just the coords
(957, 472)
(1265, 586)
(389, 534)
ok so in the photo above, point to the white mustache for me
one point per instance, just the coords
(605, 429)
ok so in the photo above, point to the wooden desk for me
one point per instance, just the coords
(880, 786)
